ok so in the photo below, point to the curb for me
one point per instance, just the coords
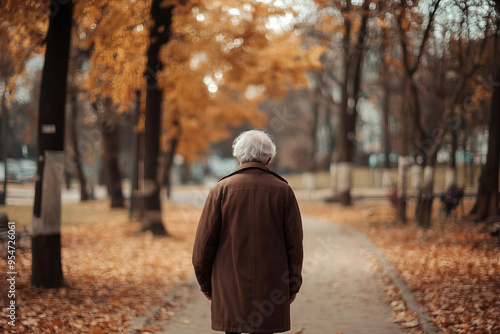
(140, 322)
(406, 294)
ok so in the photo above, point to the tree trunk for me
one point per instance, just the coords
(451, 171)
(467, 164)
(168, 162)
(386, 107)
(46, 241)
(426, 195)
(386, 100)
(403, 159)
(416, 177)
(329, 131)
(472, 163)
(111, 150)
(353, 60)
(67, 177)
(159, 36)
(77, 156)
(314, 138)
(487, 196)
(386, 136)
(401, 189)
(450, 176)
(136, 198)
(168, 157)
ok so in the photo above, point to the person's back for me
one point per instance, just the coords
(248, 251)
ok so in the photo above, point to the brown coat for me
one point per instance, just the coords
(248, 250)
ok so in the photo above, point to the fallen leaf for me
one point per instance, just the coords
(410, 324)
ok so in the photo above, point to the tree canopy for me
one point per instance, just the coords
(223, 59)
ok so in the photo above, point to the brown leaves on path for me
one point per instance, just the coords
(453, 267)
(112, 272)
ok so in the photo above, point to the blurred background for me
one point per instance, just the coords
(392, 101)
(359, 83)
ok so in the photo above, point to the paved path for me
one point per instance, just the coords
(340, 292)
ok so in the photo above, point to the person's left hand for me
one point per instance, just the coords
(208, 295)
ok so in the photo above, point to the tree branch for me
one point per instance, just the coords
(426, 35)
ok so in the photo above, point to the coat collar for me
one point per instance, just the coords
(253, 165)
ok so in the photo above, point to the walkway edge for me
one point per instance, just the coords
(140, 322)
(406, 294)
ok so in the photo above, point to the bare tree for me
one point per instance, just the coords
(411, 60)
(487, 196)
(465, 56)
(354, 43)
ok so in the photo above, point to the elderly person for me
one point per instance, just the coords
(248, 249)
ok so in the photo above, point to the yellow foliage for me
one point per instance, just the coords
(119, 39)
(23, 25)
(213, 59)
(221, 62)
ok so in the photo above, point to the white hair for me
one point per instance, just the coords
(254, 145)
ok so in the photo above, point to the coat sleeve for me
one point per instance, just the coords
(294, 245)
(207, 241)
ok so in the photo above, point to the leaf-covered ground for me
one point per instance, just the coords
(112, 272)
(453, 267)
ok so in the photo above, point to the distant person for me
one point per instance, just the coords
(248, 248)
(451, 198)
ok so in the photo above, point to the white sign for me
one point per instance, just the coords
(48, 128)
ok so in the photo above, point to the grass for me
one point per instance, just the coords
(21, 214)
(71, 213)
(364, 177)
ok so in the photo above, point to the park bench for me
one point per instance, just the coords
(495, 226)
(4, 232)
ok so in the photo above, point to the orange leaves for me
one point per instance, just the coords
(113, 273)
(453, 268)
(218, 50)
(23, 28)
(118, 34)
